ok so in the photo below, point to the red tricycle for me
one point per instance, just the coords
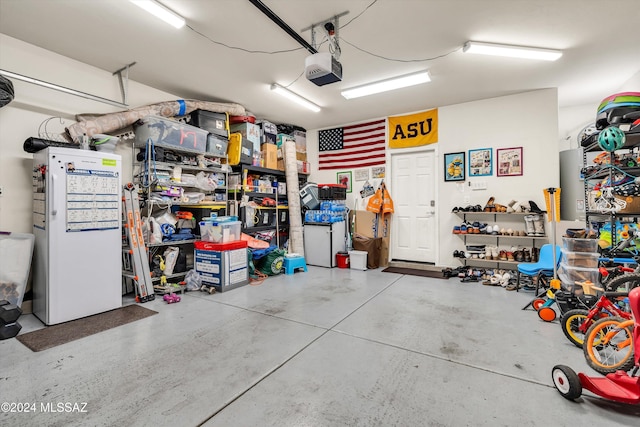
(619, 386)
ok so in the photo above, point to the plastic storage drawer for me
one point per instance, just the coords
(170, 132)
(569, 274)
(216, 123)
(580, 245)
(580, 259)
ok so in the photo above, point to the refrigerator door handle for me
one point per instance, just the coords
(54, 209)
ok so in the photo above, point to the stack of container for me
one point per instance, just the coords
(578, 263)
(221, 255)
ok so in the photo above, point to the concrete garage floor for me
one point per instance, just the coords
(329, 347)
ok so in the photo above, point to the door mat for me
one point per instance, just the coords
(415, 272)
(55, 335)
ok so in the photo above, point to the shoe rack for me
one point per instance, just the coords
(506, 220)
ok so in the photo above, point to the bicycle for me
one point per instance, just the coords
(608, 345)
(575, 323)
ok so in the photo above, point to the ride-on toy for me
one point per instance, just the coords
(171, 298)
(619, 386)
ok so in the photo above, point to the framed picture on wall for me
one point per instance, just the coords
(509, 161)
(480, 162)
(344, 178)
(377, 172)
(454, 167)
(361, 174)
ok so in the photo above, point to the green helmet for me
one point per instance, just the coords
(611, 139)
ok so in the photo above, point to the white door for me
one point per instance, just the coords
(413, 234)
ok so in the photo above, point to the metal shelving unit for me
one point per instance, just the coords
(478, 237)
(606, 171)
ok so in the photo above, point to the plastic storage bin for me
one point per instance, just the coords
(358, 260)
(216, 123)
(580, 259)
(220, 232)
(569, 274)
(332, 192)
(580, 245)
(162, 130)
(217, 145)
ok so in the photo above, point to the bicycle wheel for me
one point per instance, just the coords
(607, 356)
(623, 283)
(571, 322)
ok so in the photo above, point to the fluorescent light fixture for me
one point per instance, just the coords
(386, 85)
(161, 12)
(294, 97)
(511, 51)
(59, 88)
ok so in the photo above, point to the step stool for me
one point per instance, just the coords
(292, 263)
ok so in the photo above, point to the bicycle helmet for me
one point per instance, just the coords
(611, 139)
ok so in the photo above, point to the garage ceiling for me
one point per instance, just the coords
(599, 40)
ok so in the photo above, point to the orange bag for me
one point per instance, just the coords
(387, 203)
(375, 202)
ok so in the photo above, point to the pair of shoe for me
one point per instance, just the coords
(534, 208)
(470, 208)
(459, 254)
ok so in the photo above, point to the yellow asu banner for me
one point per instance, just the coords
(413, 130)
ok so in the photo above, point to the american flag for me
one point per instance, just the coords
(352, 146)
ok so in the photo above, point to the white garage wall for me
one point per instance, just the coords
(32, 105)
(528, 120)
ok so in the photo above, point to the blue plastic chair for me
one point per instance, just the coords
(543, 267)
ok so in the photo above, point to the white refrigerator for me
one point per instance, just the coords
(77, 219)
(322, 242)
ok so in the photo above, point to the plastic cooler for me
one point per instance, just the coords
(162, 130)
(309, 196)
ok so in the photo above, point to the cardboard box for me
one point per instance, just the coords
(281, 165)
(280, 152)
(373, 225)
(224, 270)
(301, 141)
(301, 156)
(269, 155)
(249, 131)
(303, 167)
